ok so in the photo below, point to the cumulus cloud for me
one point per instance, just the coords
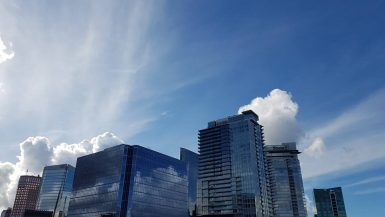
(37, 152)
(5, 51)
(6, 170)
(64, 152)
(330, 146)
(277, 113)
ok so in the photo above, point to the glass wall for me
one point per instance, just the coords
(97, 187)
(285, 179)
(159, 186)
(191, 160)
(231, 176)
(56, 188)
(329, 202)
(129, 181)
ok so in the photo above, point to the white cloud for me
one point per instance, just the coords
(5, 51)
(69, 152)
(6, 170)
(37, 152)
(367, 181)
(277, 113)
(370, 191)
(316, 149)
(354, 137)
(309, 206)
(356, 134)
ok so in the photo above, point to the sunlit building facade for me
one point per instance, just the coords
(56, 188)
(26, 195)
(329, 202)
(231, 176)
(191, 160)
(129, 181)
(285, 180)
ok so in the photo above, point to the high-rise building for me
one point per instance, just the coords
(129, 181)
(191, 160)
(231, 176)
(329, 202)
(26, 195)
(56, 188)
(285, 180)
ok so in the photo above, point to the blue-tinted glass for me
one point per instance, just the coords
(129, 181)
(231, 176)
(191, 160)
(329, 202)
(285, 178)
(56, 188)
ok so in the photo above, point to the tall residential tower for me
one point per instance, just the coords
(231, 176)
(285, 179)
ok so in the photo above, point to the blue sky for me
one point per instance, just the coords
(155, 72)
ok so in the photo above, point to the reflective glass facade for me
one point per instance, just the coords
(191, 160)
(56, 188)
(231, 176)
(285, 179)
(26, 195)
(129, 181)
(6, 212)
(329, 202)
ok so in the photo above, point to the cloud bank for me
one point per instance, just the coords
(37, 152)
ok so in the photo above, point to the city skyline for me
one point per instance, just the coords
(153, 73)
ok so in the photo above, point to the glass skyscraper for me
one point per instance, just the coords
(285, 180)
(231, 176)
(26, 195)
(56, 188)
(191, 160)
(129, 181)
(329, 202)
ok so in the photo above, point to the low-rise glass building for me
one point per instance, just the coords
(129, 181)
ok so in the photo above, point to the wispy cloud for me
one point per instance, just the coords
(367, 181)
(352, 138)
(370, 191)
